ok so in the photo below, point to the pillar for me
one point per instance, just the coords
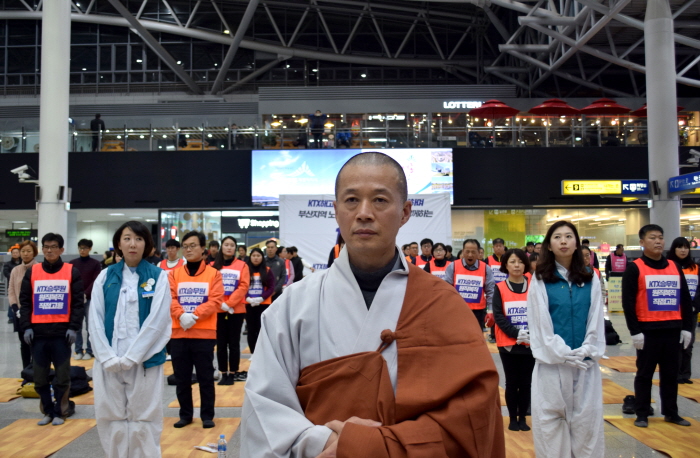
(659, 51)
(54, 136)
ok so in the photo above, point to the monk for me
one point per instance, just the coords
(373, 357)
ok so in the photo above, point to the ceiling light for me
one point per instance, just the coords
(581, 219)
(138, 61)
(88, 221)
(136, 217)
(227, 31)
(116, 214)
(152, 220)
(602, 219)
(19, 222)
(363, 75)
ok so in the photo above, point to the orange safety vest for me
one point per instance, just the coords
(256, 287)
(528, 275)
(438, 271)
(470, 285)
(515, 310)
(691, 277)
(658, 293)
(194, 291)
(51, 294)
(231, 277)
(420, 263)
(336, 251)
(498, 276)
(164, 264)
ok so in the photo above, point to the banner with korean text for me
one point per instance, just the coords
(307, 221)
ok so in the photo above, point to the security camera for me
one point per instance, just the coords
(25, 174)
(695, 153)
(19, 170)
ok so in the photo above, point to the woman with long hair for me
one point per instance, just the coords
(27, 253)
(512, 336)
(567, 338)
(229, 321)
(259, 297)
(680, 253)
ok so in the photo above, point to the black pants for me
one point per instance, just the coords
(48, 350)
(252, 317)
(684, 371)
(25, 350)
(95, 142)
(197, 354)
(480, 317)
(228, 341)
(661, 347)
(318, 139)
(518, 370)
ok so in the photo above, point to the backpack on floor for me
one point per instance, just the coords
(611, 336)
(27, 390)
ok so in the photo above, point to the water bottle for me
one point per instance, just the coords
(222, 447)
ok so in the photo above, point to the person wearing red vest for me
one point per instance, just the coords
(289, 271)
(658, 311)
(513, 337)
(473, 280)
(173, 261)
(616, 263)
(438, 264)
(236, 280)
(335, 251)
(259, 297)
(426, 248)
(51, 300)
(494, 261)
(680, 253)
(197, 291)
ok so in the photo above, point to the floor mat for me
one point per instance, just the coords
(168, 368)
(614, 393)
(621, 363)
(180, 442)
(687, 391)
(502, 392)
(8, 388)
(226, 396)
(87, 399)
(673, 440)
(25, 439)
(246, 351)
(86, 363)
(519, 444)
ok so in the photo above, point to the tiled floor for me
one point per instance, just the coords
(618, 444)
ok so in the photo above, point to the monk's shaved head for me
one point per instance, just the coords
(375, 159)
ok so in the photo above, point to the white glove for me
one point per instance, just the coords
(685, 338)
(258, 301)
(523, 337)
(187, 320)
(582, 352)
(575, 361)
(18, 315)
(250, 300)
(638, 341)
(225, 307)
(112, 365)
(126, 363)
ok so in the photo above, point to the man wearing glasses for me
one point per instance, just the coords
(89, 270)
(51, 300)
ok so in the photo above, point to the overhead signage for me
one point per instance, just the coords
(468, 104)
(684, 184)
(251, 224)
(25, 233)
(605, 187)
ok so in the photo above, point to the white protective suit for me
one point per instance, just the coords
(128, 404)
(567, 403)
(323, 316)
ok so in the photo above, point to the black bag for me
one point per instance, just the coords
(79, 381)
(28, 374)
(611, 336)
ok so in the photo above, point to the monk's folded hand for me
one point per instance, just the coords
(337, 425)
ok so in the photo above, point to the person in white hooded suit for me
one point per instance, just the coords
(129, 327)
(567, 338)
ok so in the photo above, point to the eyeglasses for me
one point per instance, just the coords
(50, 247)
(439, 250)
(189, 247)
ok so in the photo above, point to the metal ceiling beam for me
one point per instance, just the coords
(262, 70)
(274, 24)
(152, 43)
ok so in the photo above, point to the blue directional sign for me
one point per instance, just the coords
(683, 184)
(635, 187)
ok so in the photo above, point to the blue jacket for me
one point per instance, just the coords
(112, 286)
(568, 307)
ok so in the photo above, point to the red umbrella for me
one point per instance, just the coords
(554, 107)
(494, 109)
(603, 107)
(642, 112)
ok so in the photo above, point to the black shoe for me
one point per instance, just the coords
(651, 411)
(10, 321)
(224, 379)
(680, 381)
(687, 381)
(182, 422)
(514, 426)
(208, 424)
(676, 420)
(523, 425)
(628, 405)
(641, 422)
(230, 380)
(240, 376)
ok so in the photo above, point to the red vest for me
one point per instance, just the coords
(51, 294)
(658, 293)
(618, 263)
(691, 277)
(256, 287)
(231, 277)
(498, 276)
(470, 284)
(164, 264)
(515, 310)
(438, 271)
(420, 262)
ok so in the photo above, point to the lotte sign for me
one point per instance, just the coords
(453, 104)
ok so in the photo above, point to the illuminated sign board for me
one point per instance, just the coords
(684, 184)
(453, 104)
(605, 187)
(25, 233)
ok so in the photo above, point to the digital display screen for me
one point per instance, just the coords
(21, 233)
(313, 171)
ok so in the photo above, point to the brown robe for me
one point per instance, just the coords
(447, 401)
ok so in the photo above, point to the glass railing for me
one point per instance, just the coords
(245, 138)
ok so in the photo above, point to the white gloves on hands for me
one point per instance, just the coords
(254, 301)
(112, 365)
(575, 361)
(523, 337)
(18, 314)
(582, 352)
(187, 320)
(685, 338)
(125, 363)
(638, 341)
(225, 307)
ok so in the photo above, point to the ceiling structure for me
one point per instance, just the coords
(565, 48)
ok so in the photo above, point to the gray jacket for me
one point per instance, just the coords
(278, 269)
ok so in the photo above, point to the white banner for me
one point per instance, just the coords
(307, 221)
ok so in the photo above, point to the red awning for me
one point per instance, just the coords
(604, 107)
(494, 109)
(642, 112)
(554, 107)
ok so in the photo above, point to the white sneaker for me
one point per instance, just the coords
(77, 356)
(87, 356)
(217, 374)
(168, 358)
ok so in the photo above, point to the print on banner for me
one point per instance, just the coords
(230, 279)
(516, 312)
(438, 273)
(692, 281)
(470, 287)
(663, 293)
(51, 297)
(256, 286)
(498, 276)
(191, 294)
